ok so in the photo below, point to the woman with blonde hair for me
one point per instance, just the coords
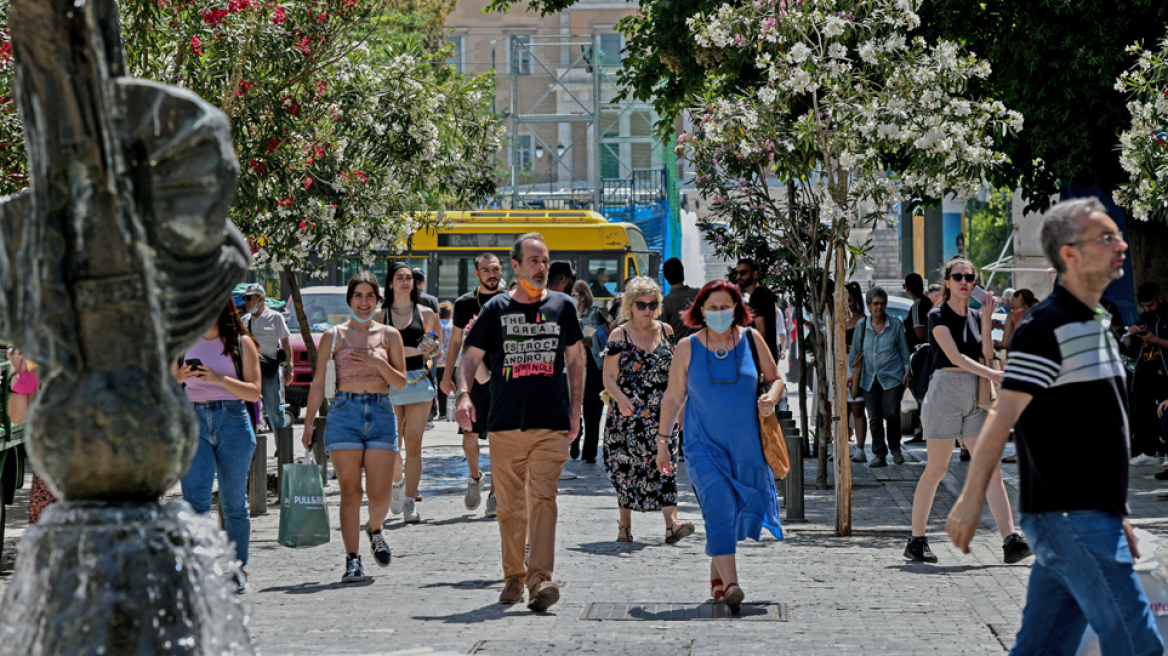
(950, 410)
(592, 320)
(636, 374)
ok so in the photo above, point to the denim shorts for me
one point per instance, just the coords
(357, 422)
(420, 392)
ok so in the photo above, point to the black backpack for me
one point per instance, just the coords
(920, 371)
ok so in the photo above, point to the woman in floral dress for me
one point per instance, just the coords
(636, 373)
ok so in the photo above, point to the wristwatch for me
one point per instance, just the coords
(459, 394)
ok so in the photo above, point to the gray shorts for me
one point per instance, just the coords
(950, 409)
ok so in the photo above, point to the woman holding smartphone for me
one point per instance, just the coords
(220, 373)
(950, 410)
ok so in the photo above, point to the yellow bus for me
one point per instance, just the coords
(601, 253)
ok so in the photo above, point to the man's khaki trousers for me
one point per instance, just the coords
(525, 471)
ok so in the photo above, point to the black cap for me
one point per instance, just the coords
(561, 269)
(419, 276)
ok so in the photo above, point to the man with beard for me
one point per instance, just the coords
(761, 301)
(530, 337)
(1064, 388)
(489, 272)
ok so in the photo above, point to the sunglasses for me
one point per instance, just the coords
(958, 277)
(642, 306)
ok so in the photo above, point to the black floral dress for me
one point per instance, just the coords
(630, 443)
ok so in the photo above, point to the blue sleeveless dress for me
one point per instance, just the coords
(723, 454)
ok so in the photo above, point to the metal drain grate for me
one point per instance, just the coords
(582, 646)
(757, 611)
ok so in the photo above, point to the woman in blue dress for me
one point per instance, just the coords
(714, 376)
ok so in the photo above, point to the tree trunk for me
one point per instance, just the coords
(301, 317)
(801, 343)
(1148, 253)
(843, 460)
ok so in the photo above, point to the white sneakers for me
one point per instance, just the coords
(410, 515)
(474, 491)
(397, 497)
(492, 506)
(566, 475)
(1144, 459)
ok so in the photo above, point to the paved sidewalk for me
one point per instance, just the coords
(837, 595)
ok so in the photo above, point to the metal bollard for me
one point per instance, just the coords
(318, 447)
(257, 479)
(284, 448)
(793, 483)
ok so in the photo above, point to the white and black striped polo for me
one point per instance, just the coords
(1072, 439)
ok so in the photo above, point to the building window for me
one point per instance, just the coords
(455, 58)
(521, 153)
(521, 56)
(610, 48)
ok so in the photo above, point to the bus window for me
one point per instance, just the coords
(603, 275)
(351, 266)
(456, 275)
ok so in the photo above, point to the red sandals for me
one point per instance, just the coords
(715, 593)
(734, 597)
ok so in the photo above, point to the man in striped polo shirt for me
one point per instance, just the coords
(1064, 387)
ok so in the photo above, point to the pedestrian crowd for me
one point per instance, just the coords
(692, 376)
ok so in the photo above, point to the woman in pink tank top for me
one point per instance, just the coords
(221, 375)
(361, 431)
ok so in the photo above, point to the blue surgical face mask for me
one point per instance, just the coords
(359, 319)
(720, 321)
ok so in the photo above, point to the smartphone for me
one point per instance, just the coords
(979, 294)
(1141, 332)
(193, 362)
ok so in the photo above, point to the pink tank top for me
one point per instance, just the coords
(349, 372)
(210, 351)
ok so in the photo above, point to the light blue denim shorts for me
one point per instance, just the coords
(357, 422)
(420, 392)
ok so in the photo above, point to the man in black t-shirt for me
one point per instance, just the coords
(1064, 386)
(916, 324)
(529, 337)
(762, 303)
(489, 272)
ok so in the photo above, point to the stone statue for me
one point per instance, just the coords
(114, 260)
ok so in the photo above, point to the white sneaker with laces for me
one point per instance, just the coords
(492, 506)
(1144, 459)
(474, 491)
(566, 475)
(410, 515)
(397, 497)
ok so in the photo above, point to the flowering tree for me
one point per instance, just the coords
(850, 110)
(1144, 145)
(344, 135)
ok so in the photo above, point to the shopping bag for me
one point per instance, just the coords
(304, 518)
(1154, 580)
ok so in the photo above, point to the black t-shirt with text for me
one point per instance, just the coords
(918, 315)
(966, 332)
(525, 345)
(762, 304)
(1073, 436)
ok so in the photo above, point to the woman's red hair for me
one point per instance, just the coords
(694, 317)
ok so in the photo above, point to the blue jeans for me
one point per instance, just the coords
(1083, 575)
(271, 393)
(226, 446)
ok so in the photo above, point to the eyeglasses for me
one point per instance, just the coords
(877, 304)
(1106, 240)
(642, 306)
(958, 277)
(575, 295)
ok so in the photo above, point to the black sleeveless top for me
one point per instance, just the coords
(411, 337)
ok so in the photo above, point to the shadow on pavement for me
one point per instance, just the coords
(314, 587)
(489, 613)
(611, 548)
(925, 568)
(472, 584)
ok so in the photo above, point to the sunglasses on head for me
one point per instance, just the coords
(967, 277)
(642, 306)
